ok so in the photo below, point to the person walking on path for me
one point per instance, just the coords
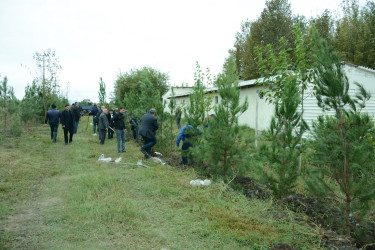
(67, 124)
(103, 126)
(119, 124)
(53, 116)
(185, 134)
(95, 120)
(147, 130)
(76, 109)
(110, 121)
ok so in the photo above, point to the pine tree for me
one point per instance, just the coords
(285, 132)
(225, 148)
(195, 111)
(343, 143)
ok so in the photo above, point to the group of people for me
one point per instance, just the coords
(69, 119)
(107, 122)
(104, 122)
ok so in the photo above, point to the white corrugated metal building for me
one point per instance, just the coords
(260, 112)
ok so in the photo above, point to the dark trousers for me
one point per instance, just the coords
(75, 126)
(110, 133)
(95, 122)
(70, 130)
(102, 135)
(54, 128)
(148, 143)
(185, 152)
(134, 130)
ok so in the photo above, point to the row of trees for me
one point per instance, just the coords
(352, 34)
(39, 95)
(341, 148)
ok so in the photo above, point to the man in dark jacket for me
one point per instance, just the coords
(100, 111)
(103, 126)
(76, 109)
(95, 120)
(147, 130)
(110, 121)
(119, 124)
(53, 116)
(67, 124)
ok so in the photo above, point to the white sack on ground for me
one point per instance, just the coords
(109, 159)
(102, 158)
(199, 182)
(157, 160)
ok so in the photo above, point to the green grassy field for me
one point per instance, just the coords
(54, 196)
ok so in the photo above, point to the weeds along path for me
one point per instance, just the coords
(60, 197)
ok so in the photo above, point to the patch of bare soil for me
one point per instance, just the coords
(321, 212)
(251, 188)
(330, 217)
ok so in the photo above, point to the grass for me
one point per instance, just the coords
(54, 196)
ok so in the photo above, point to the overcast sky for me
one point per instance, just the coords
(96, 39)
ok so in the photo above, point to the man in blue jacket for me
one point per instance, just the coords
(67, 124)
(185, 134)
(147, 130)
(53, 116)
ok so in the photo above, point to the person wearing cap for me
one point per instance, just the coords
(53, 116)
(67, 124)
(147, 130)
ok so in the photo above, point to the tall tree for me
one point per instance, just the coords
(6, 95)
(355, 33)
(325, 26)
(49, 69)
(343, 144)
(131, 82)
(102, 93)
(9, 109)
(32, 107)
(224, 147)
(195, 110)
(368, 14)
(275, 21)
(285, 132)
